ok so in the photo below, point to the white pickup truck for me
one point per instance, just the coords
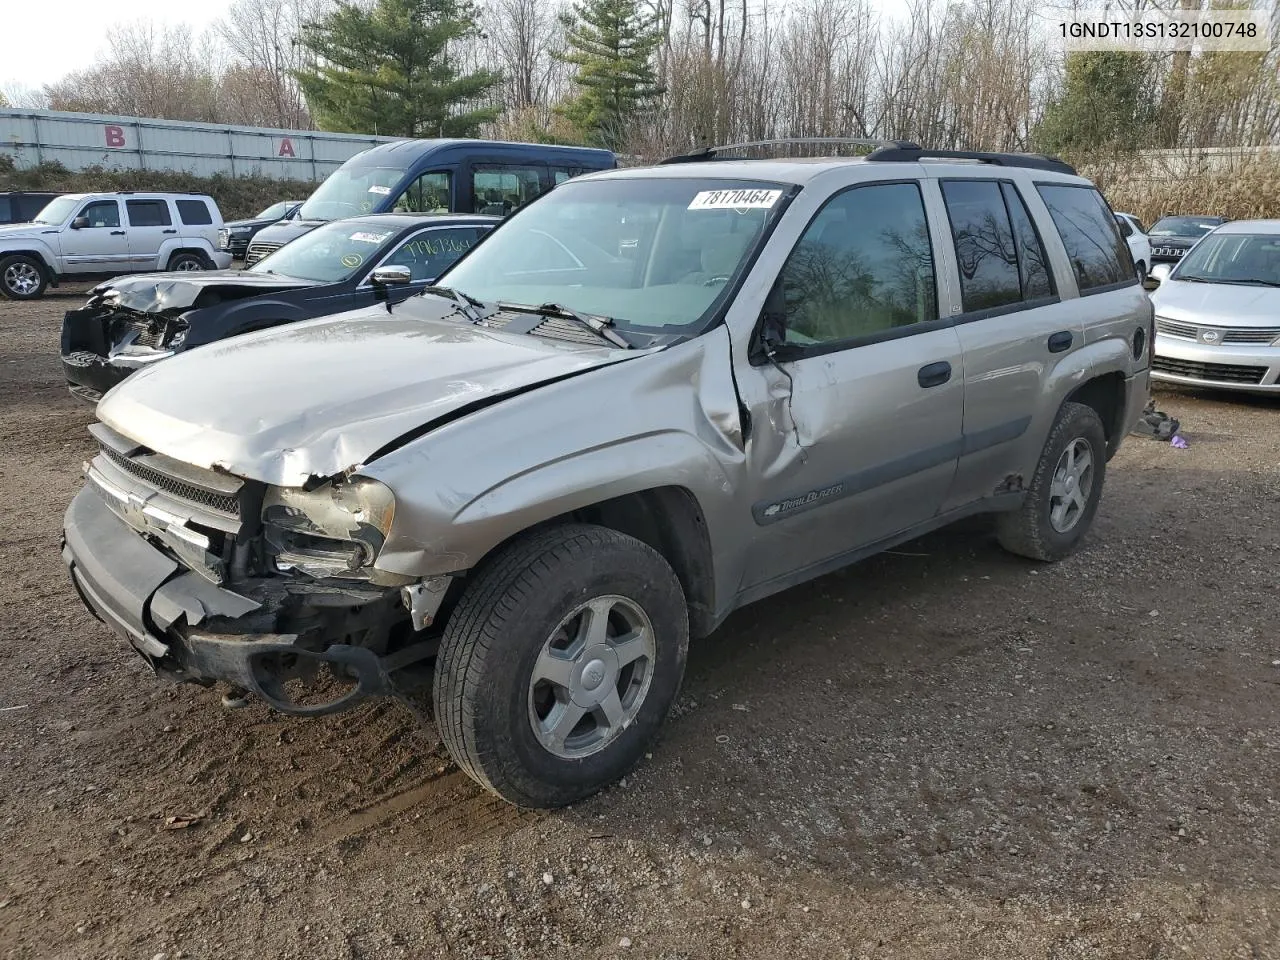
(101, 235)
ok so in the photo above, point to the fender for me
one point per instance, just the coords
(238, 317)
(33, 247)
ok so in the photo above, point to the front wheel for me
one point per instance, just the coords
(1065, 489)
(22, 277)
(559, 664)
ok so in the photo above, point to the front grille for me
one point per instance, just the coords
(1171, 328)
(1167, 251)
(1209, 372)
(223, 503)
(1251, 335)
(259, 249)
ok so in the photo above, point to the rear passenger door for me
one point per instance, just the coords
(1016, 323)
(150, 225)
(856, 418)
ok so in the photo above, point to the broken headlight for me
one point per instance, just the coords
(335, 530)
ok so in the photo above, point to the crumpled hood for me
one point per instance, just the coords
(1221, 304)
(156, 292)
(315, 398)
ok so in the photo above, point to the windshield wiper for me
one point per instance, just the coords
(1262, 282)
(466, 304)
(601, 326)
(1193, 279)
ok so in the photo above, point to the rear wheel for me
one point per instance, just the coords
(559, 664)
(22, 277)
(186, 262)
(1065, 489)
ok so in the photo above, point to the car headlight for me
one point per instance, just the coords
(335, 530)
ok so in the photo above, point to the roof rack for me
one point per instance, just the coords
(714, 153)
(910, 152)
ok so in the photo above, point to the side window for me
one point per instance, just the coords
(429, 252)
(561, 174)
(983, 238)
(5, 211)
(863, 266)
(102, 213)
(194, 213)
(501, 190)
(1033, 262)
(148, 213)
(1098, 254)
(429, 193)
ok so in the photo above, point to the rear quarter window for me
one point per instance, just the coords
(194, 213)
(1099, 256)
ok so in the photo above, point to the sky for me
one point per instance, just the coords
(69, 34)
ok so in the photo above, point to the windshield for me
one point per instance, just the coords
(56, 211)
(351, 191)
(1182, 227)
(650, 253)
(1233, 258)
(274, 212)
(327, 254)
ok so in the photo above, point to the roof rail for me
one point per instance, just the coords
(714, 153)
(908, 153)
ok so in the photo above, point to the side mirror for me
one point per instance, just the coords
(391, 275)
(79, 223)
(1160, 272)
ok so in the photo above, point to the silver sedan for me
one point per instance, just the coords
(1218, 311)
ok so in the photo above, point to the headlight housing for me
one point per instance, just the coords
(335, 530)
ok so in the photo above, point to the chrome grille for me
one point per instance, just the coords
(259, 249)
(148, 335)
(1167, 251)
(227, 504)
(1209, 372)
(1171, 328)
(1251, 335)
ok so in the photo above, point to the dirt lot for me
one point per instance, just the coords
(944, 752)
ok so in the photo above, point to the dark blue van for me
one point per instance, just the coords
(491, 177)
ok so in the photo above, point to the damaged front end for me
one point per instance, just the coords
(105, 341)
(211, 577)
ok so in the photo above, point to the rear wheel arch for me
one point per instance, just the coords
(1106, 395)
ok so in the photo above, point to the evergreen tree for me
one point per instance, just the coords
(1106, 102)
(611, 43)
(385, 70)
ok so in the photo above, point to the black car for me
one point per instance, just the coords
(234, 237)
(22, 206)
(131, 322)
(1171, 237)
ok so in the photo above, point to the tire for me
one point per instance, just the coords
(500, 724)
(22, 277)
(1042, 528)
(186, 262)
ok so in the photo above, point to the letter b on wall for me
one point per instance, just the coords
(115, 135)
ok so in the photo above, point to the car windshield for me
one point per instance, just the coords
(1182, 227)
(1233, 258)
(329, 253)
(56, 211)
(653, 254)
(274, 212)
(351, 191)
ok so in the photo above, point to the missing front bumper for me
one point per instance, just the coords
(184, 626)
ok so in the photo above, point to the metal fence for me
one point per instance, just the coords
(80, 140)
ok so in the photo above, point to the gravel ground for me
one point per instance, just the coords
(943, 752)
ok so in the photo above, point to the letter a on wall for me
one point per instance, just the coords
(115, 135)
(286, 148)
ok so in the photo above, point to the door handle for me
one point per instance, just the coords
(934, 374)
(1060, 341)
(117, 233)
(170, 231)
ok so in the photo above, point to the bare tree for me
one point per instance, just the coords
(260, 36)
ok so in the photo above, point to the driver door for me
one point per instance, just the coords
(857, 419)
(427, 253)
(100, 247)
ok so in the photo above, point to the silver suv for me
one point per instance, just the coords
(649, 398)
